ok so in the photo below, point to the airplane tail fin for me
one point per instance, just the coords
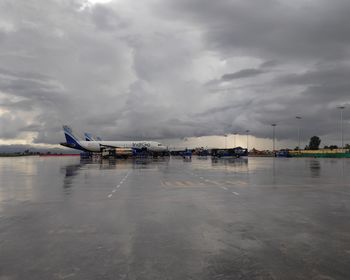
(88, 137)
(70, 137)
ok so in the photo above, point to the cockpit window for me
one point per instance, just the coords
(159, 145)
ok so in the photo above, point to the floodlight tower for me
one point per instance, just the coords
(341, 108)
(247, 131)
(299, 136)
(273, 136)
(234, 139)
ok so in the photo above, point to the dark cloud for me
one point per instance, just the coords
(10, 125)
(35, 149)
(299, 30)
(126, 70)
(269, 64)
(335, 75)
(23, 105)
(35, 87)
(245, 73)
(106, 19)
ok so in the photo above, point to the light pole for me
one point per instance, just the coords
(273, 136)
(341, 108)
(247, 131)
(234, 139)
(298, 118)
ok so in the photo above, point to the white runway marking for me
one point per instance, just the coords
(235, 193)
(118, 186)
(225, 188)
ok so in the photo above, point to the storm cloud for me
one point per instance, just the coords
(245, 73)
(173, 68)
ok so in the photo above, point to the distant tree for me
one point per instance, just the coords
(296, 148)
(325, 147)
(314, 143)
(307, 147)
(347, 146)
(333, 147)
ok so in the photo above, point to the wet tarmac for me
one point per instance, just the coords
(62, 218)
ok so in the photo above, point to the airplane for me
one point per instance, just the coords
(89, 137)
(98, 146)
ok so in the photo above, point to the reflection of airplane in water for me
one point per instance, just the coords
(70, 172)
(229, 161)
(229, 153)
(73, 170)
(230, 164)
(92, 145)
(99, 163)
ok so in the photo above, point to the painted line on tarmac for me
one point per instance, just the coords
(118, 186)
(214, 182)
(217, 183)
(230, 183)
(208, 181)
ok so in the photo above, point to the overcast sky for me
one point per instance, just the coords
(167, 69)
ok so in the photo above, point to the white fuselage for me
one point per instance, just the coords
(97, 146)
